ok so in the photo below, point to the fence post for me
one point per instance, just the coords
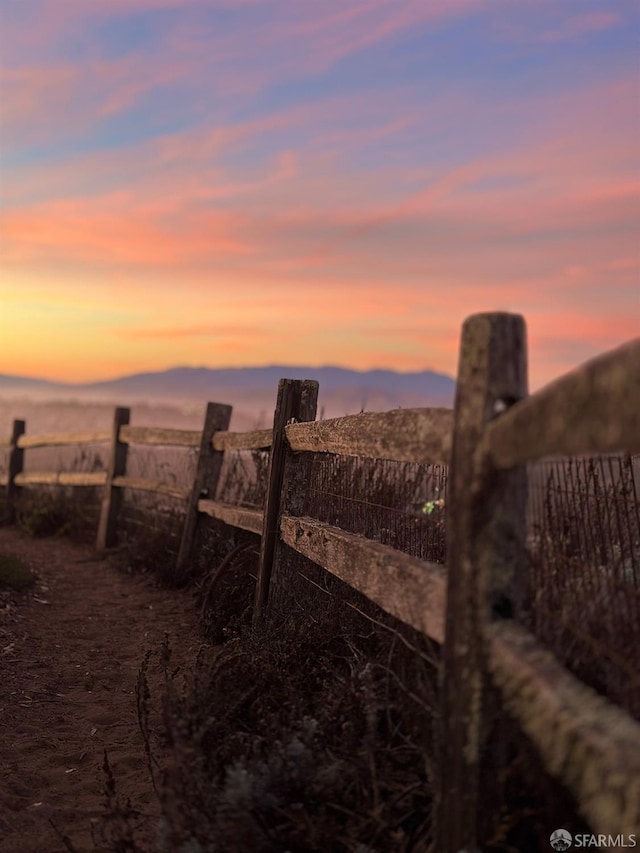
(112, 497)
(297, 401)
(486, 536)
(15, 466)
(209, 467)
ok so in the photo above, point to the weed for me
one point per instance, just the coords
(290, 742)
(42, 521)
(120, 823)
(57, 511)
(149, 539)
(15, 574)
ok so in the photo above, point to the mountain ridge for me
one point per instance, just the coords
(375, 389)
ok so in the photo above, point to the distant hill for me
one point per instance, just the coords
(341, 391)
(8, 383)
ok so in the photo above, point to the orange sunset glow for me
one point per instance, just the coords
(251, 183)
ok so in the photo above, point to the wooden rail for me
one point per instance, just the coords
(259, 439)
(236, 516)
(63, 439)
(407, 588)
(159, 436)
(594, 410)
(586, 743)
(61, 478)
(403, 435)
(115, 479)
(471, 607)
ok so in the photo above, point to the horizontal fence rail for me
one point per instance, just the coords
(159, 436)
(63, 439)
(61, 478)
(591, 746)
(235, 516)
(407, 588)
(403, 435)
(471, 606)
(594, 410)
(259, 439)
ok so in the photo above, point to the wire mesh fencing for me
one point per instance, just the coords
(150, 524)
(584, 564)
(243, 479)
(399, 504)
(54, 510)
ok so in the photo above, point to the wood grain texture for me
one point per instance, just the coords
(208, 469)
(259, 439)
(112, 498)
(160, 436)
(62, 478)
(297, 400)
(236, 516)
(486, 513)
(409, 589)
(587, 743)
(404, 435)
(593, 410)
(62, 439)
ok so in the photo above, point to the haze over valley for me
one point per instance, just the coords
(177, 397)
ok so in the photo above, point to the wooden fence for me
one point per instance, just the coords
(471, 607)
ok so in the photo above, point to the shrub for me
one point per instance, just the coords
(15, 574)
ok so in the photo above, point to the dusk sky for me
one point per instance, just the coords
(250, 182)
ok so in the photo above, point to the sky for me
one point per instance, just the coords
(313, 182)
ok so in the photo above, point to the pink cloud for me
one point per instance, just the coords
(242, 61)
(191, 162)
(539, 217)
(30, 96)
(327, 39)
(548, 22)
(115, 229)
(57, 100)
(580, 25)
(568, 186)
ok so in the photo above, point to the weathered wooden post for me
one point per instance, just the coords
(15, 467)
(486, 536)
(209, 467)
(297, 401)
(112, 497)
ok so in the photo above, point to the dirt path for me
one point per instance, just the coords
(69, 658)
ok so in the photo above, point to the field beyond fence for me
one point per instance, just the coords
(506, 531)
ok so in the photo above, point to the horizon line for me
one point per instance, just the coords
(118, 378)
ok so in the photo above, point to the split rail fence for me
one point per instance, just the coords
(471, 606)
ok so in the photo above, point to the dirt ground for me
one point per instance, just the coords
(70, 652)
